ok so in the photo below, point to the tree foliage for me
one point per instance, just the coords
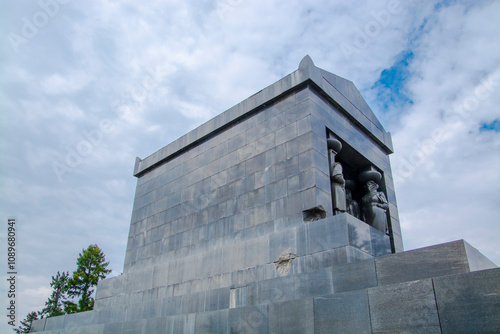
(53, 306)
(91, 268)
(25, 326)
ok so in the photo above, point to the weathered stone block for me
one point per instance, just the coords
(272, 290)
(135, 326)
(476, 260)
(114, 313)
(321, 235)
(249, 320)
(212, 322)
(315, 283)
(405, 307)
(439, 260)
(156, 325)
(111, 328)
(380, 242)
(469, 303)
(354, 276)
(38, 325)
(342, 313)
(181, 324)
(282, 242)
(79, 319)
(55, 322)
(217, 299)
(320, 260)
(295, 316)
(90, 329)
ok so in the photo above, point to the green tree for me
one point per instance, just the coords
(91, 268)
(53, 306)
(25, 326)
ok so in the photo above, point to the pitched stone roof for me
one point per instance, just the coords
(337, 90)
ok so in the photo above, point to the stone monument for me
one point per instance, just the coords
(247, 224)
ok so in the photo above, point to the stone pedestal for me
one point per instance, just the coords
(428, 290)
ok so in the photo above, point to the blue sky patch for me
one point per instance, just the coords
(492, 126)
(391, 85)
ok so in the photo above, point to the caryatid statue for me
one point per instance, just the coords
(336, 177)
(352, 207)
(374, 203)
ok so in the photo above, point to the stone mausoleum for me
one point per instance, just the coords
(279, 216)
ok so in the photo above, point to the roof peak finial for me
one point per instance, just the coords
(306, 62)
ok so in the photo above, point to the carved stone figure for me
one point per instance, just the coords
(374, 203)
(336, 177)
(352, 206)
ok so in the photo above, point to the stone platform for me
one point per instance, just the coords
(438, 289)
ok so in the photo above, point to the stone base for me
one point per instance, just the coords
(443, 288)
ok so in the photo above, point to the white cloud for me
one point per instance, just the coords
(446, 167)
(195, 111)
(57, 84)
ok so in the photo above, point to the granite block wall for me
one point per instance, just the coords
(252, 179)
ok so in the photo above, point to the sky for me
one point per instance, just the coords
(86, 87)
